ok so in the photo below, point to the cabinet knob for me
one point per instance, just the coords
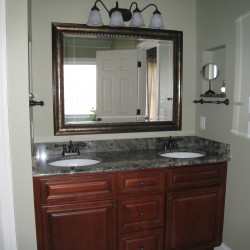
(142, 248)
(141, 213)
(142, 183)
(114, 205)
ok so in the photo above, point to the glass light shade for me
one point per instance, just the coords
(156, 21)
(116, 19)
(137, 20)
(95, 18)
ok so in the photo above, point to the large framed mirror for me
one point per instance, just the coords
(116, 80)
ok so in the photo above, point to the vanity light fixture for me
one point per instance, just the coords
(118, 16)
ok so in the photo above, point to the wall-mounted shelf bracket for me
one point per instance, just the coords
(201, 101)
(214, 95)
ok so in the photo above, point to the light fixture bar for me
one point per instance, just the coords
(120, 15)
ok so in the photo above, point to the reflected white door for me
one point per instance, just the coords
(117, 85)
(165, 74)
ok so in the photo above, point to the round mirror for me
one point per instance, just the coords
(210, 71)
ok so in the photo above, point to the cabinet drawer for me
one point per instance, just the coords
(143, 240)
(140, 213)
(78, 188)
(141, 182)
(196, 176)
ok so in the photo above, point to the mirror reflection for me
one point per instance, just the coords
(210, 72)
(117, 80)
(109, 79)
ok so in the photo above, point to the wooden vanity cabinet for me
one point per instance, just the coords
(195, 206)
(152, 209)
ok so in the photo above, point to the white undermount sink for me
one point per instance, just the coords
(73, 162)
(182, 155)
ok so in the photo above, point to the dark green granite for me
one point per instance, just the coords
(129, 154)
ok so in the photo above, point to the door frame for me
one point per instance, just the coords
(7, 226)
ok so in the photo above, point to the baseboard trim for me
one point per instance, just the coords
(222, 247)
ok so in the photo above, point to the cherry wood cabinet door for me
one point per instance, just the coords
(142, 240)
(194, 218)
(83, 226)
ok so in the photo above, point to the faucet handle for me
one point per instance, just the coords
(164, 142)
(168, 142)
(64, 147)
(172, 142)
(78, 146)
(83, 144)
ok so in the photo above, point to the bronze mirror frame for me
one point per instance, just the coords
(61, 29)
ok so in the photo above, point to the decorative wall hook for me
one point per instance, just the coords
(34, 103)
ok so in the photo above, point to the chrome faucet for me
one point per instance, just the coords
(71, 149)
(168, 143)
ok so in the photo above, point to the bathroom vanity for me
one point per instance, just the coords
(136, 200)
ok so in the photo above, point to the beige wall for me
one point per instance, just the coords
(215, 27)
(18, 104)
(177, 15)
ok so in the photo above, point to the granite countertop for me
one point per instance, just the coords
(141, 158)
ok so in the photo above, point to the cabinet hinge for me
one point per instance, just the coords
(139, 64)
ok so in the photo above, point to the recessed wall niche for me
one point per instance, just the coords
(214, 55)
